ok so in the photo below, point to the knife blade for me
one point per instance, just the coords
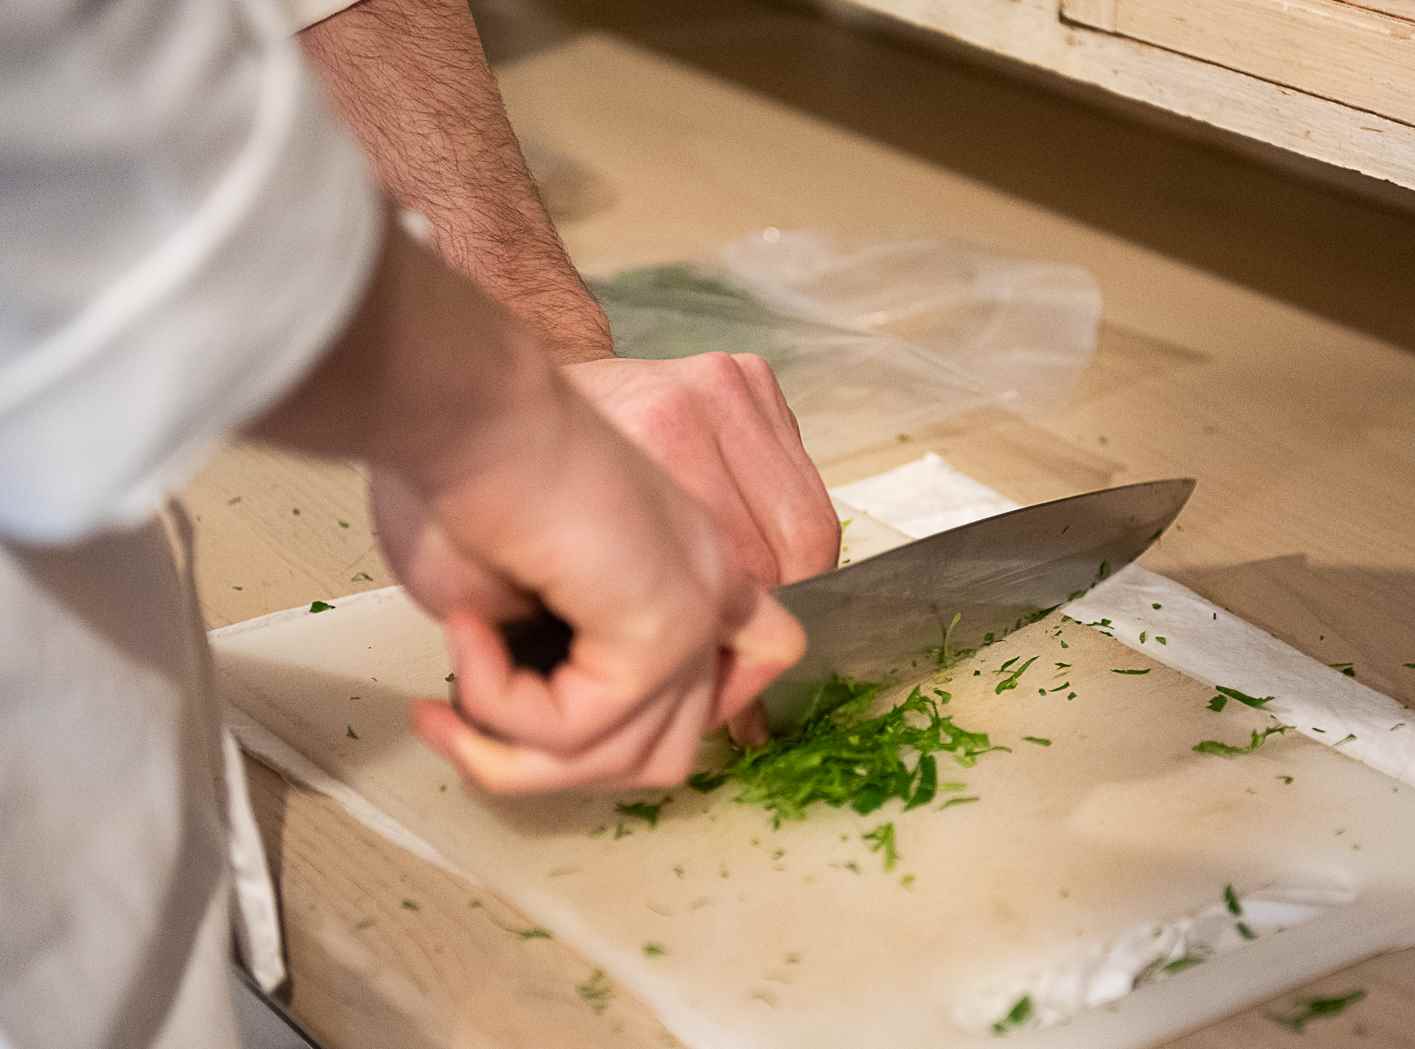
(872, 619)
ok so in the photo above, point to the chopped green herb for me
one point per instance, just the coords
(1230, 900)
(1308, 1009)
(1038, 740)
(881, 840)
(927, 782)
(944, 654)
(841, 756)
(1065, 645)
(1225, 750)
(1126, 670)
(1070, 696)
(595, 991)
(1103, 571)
(1188, 961)
(320, 606)
(534, 933)
(642, 810)
(1064, 684)
(1010, 682)
(1408, 666)
(1218, 703)
(1018, 1015)
(1348, 669)
(1347, 739)
(1162, 639)
(410, 905)
(343, 524)
(1288, 780)
(1156, 605)
(966, 800)
(1003, 669)
(1245, 932)
(654, 950)
(361, 577)
(953, 787)
(942, 696)
(1144, 636)
(1243, 697)
(1063, 666)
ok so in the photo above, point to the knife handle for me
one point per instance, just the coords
(540, 643)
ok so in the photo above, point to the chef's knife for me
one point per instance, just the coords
(888, 615)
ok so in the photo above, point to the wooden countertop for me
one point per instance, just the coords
(1259, 335)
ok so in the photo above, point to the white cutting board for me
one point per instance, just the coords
(1074, 851)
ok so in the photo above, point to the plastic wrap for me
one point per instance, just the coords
(869, 340)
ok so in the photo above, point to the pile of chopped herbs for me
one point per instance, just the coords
(844, 757)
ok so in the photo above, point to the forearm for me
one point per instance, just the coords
(427, 372)
(412, 80)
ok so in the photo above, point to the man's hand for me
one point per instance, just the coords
(499, 485)
(719, 425)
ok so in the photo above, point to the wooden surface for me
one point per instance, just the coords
(1266, 104)
(1258, 336)
(1328, 48)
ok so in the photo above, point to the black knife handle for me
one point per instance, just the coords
(541, 643)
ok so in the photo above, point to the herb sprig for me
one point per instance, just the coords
(841, 756)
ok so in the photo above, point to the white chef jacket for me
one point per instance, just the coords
(183, 229)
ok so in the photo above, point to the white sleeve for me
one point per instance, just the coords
(306, 13)
(183, 229)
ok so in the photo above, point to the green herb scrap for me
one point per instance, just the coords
(1250, 701)
(534, 933)
(1218, 703)
(1010, 682)
(321, 606)
(1226, 750)
(881, 840)
(1127, 670)
(642, 810)
(1038, 740)
(1016, 1017)
(1230, 900)
(595, 991)
(1348, 669)
(1308, 1009)
(654, 950)
(843, 757)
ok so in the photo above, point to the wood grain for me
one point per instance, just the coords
(1297, 425)
(1325, 128)
(1326, 48)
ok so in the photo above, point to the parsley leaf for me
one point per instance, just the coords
(1117, 670)
(1010, 682)
(320, 606)
(1218, 703)
(642, 810)
(595, 991)
(1017, 1016)
(1226, 750)
(1308, 1009)
(881, 840)
(1038, 740)
(843, 757)
(1243, 697)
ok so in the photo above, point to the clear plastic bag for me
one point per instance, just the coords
(872, 340)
